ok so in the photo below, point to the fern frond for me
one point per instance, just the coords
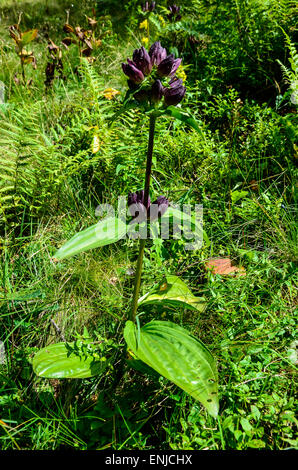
(290, 75)
(93, 80)
(29, 163)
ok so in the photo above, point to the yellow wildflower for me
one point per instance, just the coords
(145, 41)
(162, 20)
(181, 74)
(110, 93)
(144, 24)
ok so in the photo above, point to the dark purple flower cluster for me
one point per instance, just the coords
(136, 205)
(152, 75)
(148, 7)
(174, 13)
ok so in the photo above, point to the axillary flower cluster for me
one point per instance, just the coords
(139, 211)
(152, 76)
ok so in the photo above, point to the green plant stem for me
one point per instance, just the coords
(149, 160)
(139, 267)
(23, 73)
(223, 446)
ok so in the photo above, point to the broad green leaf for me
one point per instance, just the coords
(28, 36)
(189, 224)
(181, 116)
(177, 355)
(108, 230)
(63, 361)
(173, 292)
(140, 366)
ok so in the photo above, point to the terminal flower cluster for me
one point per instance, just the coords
(137, 208)
(152, 76)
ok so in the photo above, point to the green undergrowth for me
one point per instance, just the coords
(240, 167)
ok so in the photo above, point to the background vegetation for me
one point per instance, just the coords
(61, 156)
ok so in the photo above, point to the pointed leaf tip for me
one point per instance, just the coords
(180, 357)
(105, 232)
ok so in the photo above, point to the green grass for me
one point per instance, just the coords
(240, 167)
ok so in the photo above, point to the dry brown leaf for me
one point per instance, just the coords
(224, 267)
(68, 28)
(253, 184)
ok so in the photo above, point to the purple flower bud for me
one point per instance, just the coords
(175, 93)
(168, 66)
(165, 66)
(137, 208)
(174, 9)
(147, 7)
(136, 205)
(174, 13)
(132, 72)
(176, 64)
(139, 93)
(132, 199)
(138, 197)
(156, 91)
(157, 53)
(142, 60)
(158, 208)
(162, 203)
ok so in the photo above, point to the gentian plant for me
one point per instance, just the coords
(85, 39)
(148, 7)
(22, 40)
(164, 346)
(174, 14)
(54, 65)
